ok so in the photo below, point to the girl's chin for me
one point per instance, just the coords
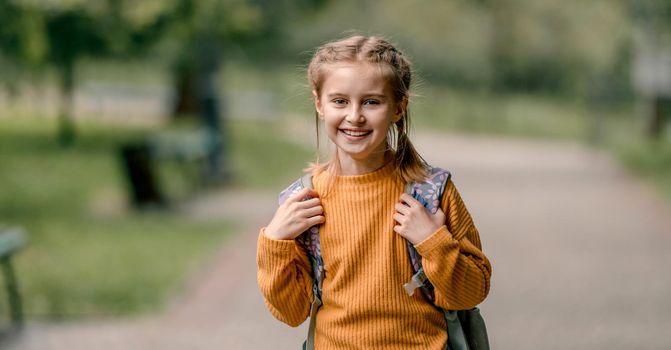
(360, 153)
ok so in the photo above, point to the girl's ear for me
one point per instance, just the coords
(400, 109)
(318, 104)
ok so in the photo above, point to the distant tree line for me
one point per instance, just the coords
(37, 36)
(569, 48)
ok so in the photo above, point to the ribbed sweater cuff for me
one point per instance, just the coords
(439, 238)
(283, 249)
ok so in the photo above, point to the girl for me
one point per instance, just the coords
(361, 91)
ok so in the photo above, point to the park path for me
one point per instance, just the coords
(580, 251)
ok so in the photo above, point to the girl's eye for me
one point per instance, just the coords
(371, 102)
(339, 101)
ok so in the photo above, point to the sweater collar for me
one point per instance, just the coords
(375, 176)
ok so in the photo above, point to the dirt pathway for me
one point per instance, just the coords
(580, 248)
(580, 251)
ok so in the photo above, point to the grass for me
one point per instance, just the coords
(88, 254)
(650, 159)
(102, 268)
(264, 158)
(513, 115)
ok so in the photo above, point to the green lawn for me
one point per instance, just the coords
(649, 159)
(264, 158)
(88, 253)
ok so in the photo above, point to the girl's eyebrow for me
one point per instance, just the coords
(381, 96)
(339, 94)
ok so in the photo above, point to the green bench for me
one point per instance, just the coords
(11, 240)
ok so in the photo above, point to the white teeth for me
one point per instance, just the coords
(355, 133)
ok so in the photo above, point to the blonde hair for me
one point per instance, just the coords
(396, 68)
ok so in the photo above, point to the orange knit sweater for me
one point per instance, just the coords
(366, 264)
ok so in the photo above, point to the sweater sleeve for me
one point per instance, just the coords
(284, 278)
(452, 257)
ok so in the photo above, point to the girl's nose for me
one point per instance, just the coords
(355, 116)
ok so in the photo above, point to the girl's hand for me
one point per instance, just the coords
(414, 222)
(298, 213)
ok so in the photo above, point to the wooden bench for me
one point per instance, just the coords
(12, 240)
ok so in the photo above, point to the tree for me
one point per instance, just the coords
(652, 61)
(58, 35)
(21, 42)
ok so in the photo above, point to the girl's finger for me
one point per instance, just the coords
(410, 200)
(398, 229)
(399, 218)
(308, 203)
(313, 211)
(402, 208)
(315, 220)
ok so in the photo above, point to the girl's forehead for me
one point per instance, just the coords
(369, 69)
(360, 73)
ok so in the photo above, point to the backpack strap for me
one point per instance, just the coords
(309, 241)
(429, 193)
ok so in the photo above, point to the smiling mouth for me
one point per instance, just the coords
(356, 133)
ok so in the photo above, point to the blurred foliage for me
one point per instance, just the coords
(59, 34)
(517, 45)
(656, 13)
(571, 48)
(556, 46)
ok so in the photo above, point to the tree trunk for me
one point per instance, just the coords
(66, 126)
(659, 112)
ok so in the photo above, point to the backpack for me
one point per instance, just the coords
(466, 328)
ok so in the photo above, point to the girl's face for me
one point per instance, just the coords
(357, 106)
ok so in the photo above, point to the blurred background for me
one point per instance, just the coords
(122, 121)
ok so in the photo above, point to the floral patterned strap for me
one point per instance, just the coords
(429, 193)
(294, 188)
(308, 240)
